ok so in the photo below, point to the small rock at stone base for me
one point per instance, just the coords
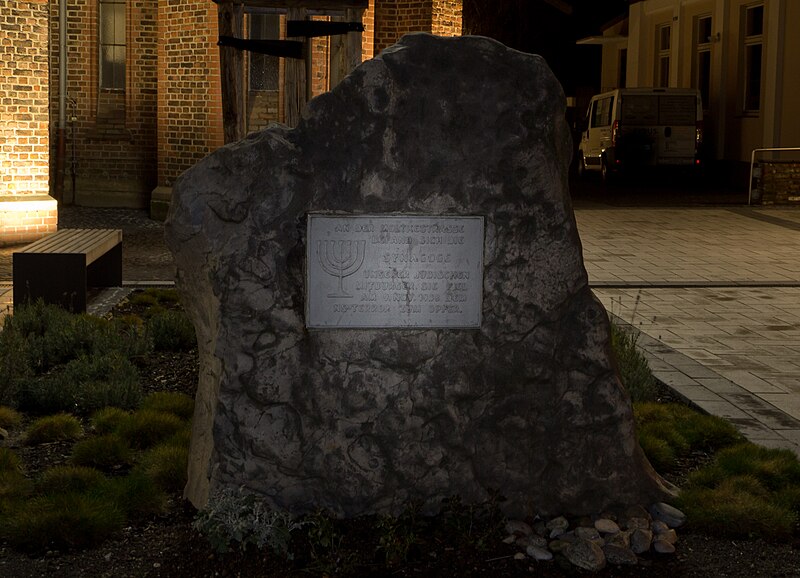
(621, 539)
(663, 547)
(519, 556)
(587, 555)
(3, 434)
(641, 540)
(669, 536)
(634, 523)
(670, 515)
(518, 527)
(539, 554)
(590, 534)
(606, 526)
(509, 539)
(557, 526)
(637, 512)
(658, 527)
(558, 545)
(532, 540)
(619, 556)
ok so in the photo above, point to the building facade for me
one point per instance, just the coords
(743, 56)
(142, 94)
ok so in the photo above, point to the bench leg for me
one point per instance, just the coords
(106, 271)
(57, 279)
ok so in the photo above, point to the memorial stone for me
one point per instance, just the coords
(391, 303)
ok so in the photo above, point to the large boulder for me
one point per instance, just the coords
(528, 403)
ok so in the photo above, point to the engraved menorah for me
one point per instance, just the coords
(340, 263)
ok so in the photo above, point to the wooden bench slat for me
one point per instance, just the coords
(91, 242)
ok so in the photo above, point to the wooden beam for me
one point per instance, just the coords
(296, 80)
(231, 61)
(308, 4)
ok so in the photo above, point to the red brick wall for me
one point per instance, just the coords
(446, 19)
(780, 182)
(189, 97)
(26, 212)
(394, 18)
(111, 142)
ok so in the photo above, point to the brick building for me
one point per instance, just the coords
(143, 93)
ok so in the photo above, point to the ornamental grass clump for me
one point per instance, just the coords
(146, 428)
(70, 479)
(60, 522)
(178, 404)
(108, 419)
(171, 330)
(107, 453)
(52, 428)
(634, 371)
(136, 495)
(9, 418)
(669, 431)
(747, 491)
(167, 465)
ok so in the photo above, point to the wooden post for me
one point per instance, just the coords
(353, 44)
(231, 62)
(296, 82)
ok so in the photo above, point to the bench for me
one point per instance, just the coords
(60, 267)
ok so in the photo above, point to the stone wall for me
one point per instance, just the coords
(780, 182)
(27, 212)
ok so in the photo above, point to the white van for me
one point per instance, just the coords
(629, 128)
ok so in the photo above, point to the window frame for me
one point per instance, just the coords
(661, 73)
(751, 100)
(701, 72)
(254, 58)
(119, 40)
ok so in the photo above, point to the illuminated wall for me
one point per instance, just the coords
(27, 212)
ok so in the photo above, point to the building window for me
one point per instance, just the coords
(753, 39)
(264, 68)
(663, 38)
(622, 76)
(112, 44)
(701, 77)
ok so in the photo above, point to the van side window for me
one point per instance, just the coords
(601, 111)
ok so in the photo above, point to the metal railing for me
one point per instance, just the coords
(752, 164)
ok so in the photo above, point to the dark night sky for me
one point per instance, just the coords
(540, 27)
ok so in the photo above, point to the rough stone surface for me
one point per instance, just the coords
(587, 555)
(539, 553)
(619, 556)
(518, 527)
(670, 515)
(641, 540)
(606, 526)
(361, 421)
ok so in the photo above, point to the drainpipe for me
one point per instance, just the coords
(61, 134)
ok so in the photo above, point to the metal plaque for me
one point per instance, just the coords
(394, 271)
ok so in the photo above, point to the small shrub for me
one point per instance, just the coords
(738, 507)
(9, 418)
(108, 419)
(237, 517)
(69, 479)
(136, 494)
(9, 461)
(634, 370)
(105, 452)
(86, 384)
(14, 489)
(143, 299)
(146, 428)
(60, 427)
(14, 363)
(178, 404)
(171, 331)
(61, 521)
(659, 452)
(167, 465)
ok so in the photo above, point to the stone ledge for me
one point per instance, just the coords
(26, 218)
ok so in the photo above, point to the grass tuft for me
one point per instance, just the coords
(9, 418)
(108, 419)
(178, 404)
(136, 494)
(70, 479)
(60, 427)
(147, 428)
(171, 331)
(167, 465)
(106, 452)
(634, 371)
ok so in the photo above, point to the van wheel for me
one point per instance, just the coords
(605, 174)
(581, 165)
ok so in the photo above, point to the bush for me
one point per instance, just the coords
(108, 419)
(86, 384)
(9, 419)
(178, 404)
(167, 465)
(634, 371)
(14, 489)
(238, 517)
(105, 452)
(14, 363)
(748, 490)
(146, 428)
(171, 331)
(668, 431)
(61, 521)
(61, 427)
(137, 495)
(9, 461)
(70, 479)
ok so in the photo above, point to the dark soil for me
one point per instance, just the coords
(169, 546)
